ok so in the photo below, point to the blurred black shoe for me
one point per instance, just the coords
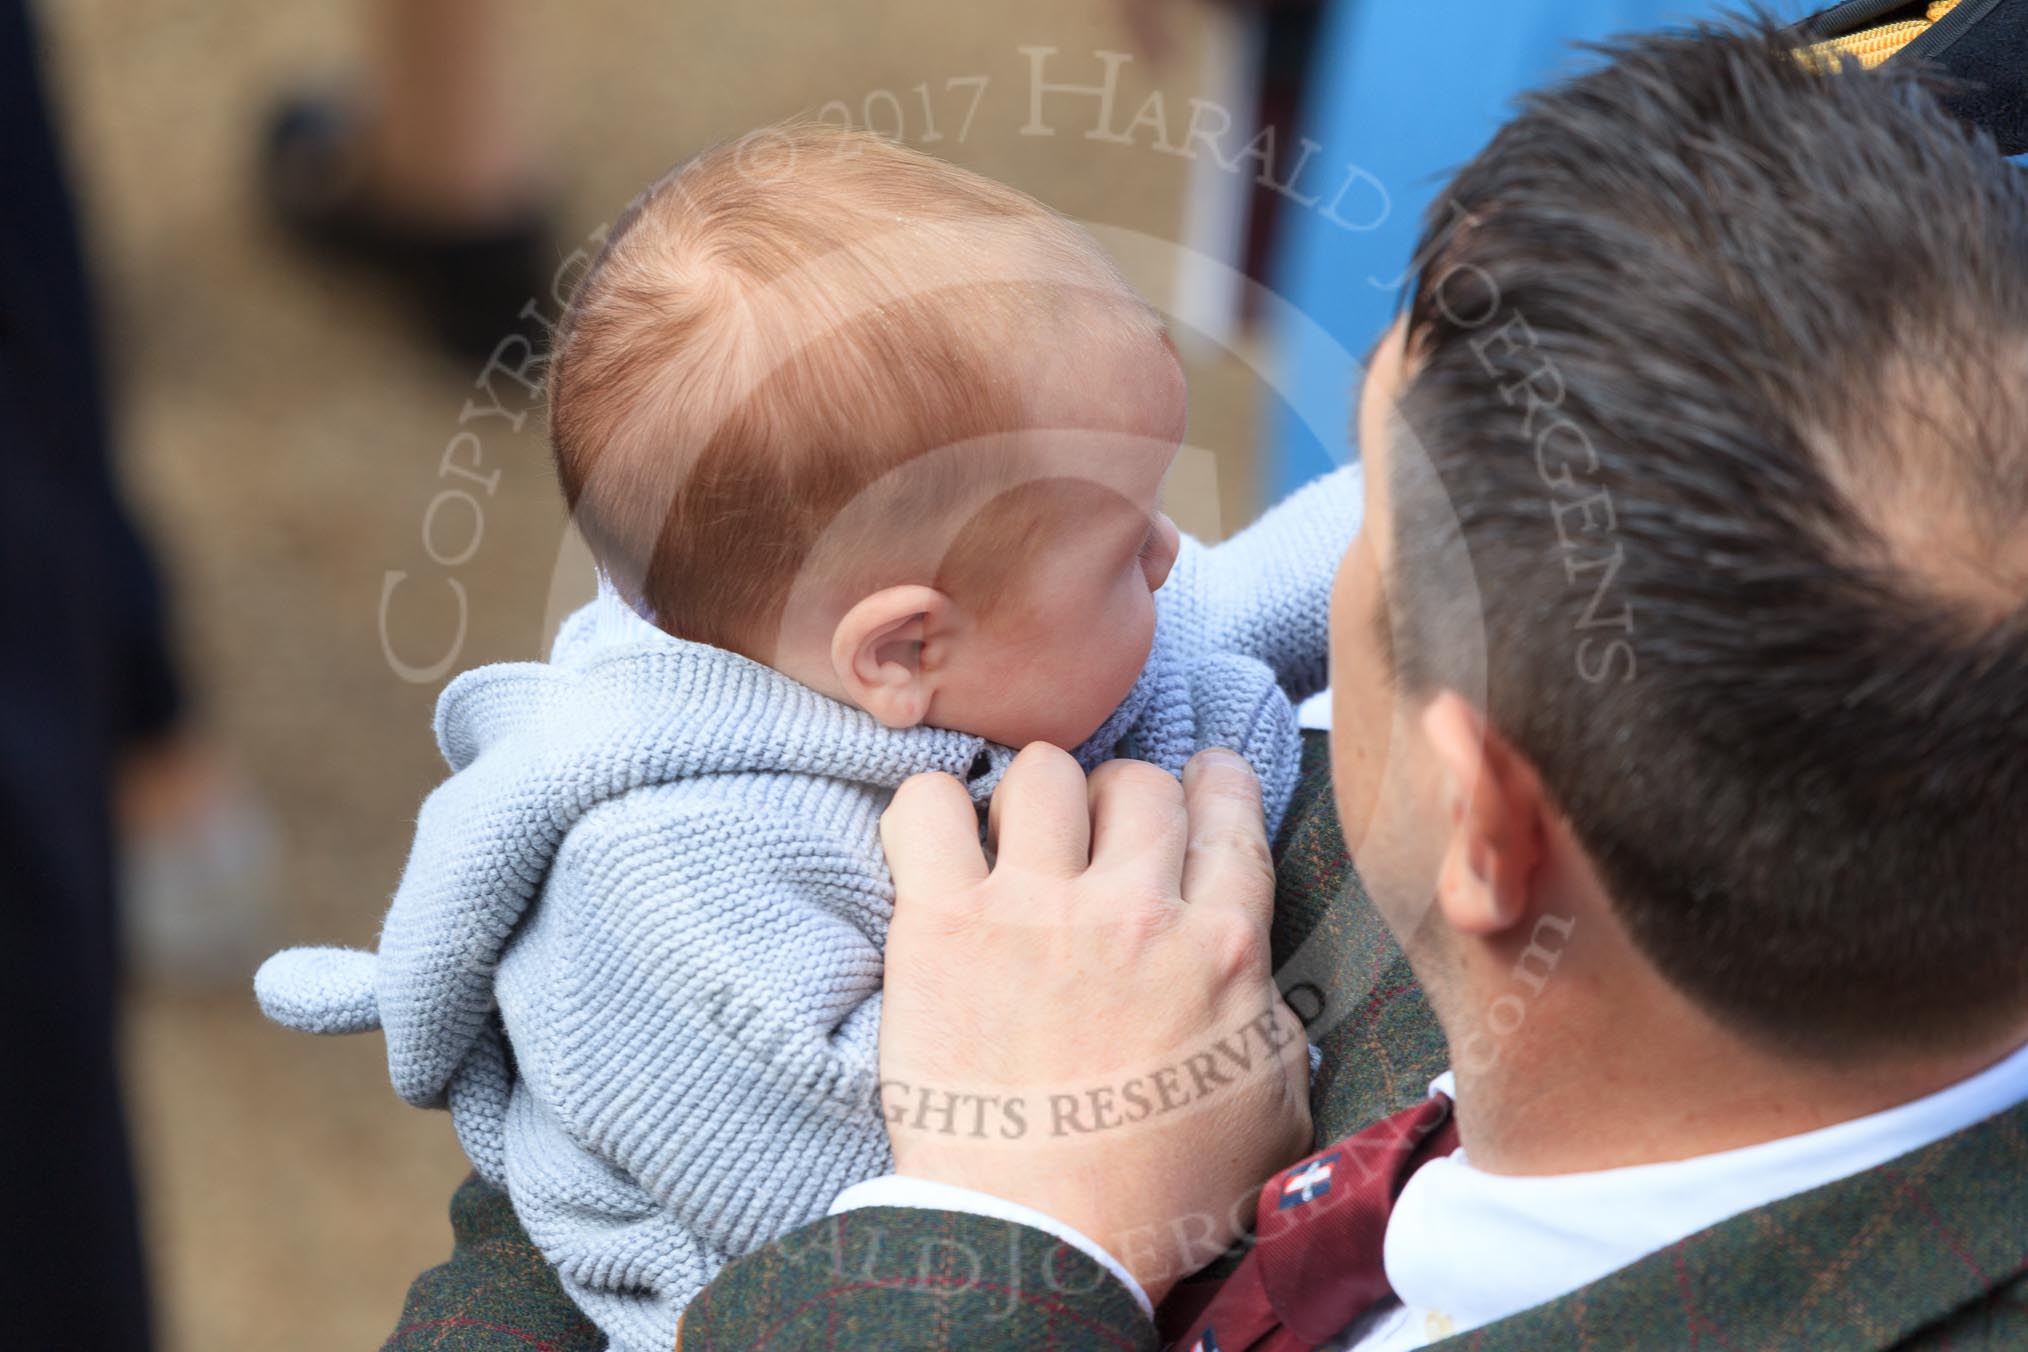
(471, 283)
(1981, 46)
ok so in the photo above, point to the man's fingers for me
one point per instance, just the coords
(931, 834)
(1137, 821)
(1227, 862)
(1040, 816)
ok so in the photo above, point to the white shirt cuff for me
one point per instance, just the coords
(925, 1195)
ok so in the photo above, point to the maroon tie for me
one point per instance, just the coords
(1315, 1264)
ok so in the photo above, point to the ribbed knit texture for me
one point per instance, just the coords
(636, 951)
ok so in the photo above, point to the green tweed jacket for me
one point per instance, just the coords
(1928, 1251)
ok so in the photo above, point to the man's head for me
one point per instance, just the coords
(879, 422)
(1715, 382)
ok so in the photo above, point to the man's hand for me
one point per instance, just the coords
(1090, 1027)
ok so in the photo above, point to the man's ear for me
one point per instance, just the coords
(878, 649)
(1498, 815)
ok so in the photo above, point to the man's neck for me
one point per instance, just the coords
(1572, 1091)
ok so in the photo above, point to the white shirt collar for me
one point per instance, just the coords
(1465, 1247)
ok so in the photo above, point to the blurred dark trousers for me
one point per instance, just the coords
(83, 672)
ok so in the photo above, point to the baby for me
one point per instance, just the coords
(869, 450)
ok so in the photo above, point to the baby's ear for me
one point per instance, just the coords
(877, 652)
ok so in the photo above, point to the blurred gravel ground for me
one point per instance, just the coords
(283, 433)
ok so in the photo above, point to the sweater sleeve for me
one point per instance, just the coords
(694, 1011)
(1266, 592)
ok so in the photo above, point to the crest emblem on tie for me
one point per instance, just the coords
(1307, 1184)
(1207, 1343)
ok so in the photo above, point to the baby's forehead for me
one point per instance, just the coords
(1098, 403)
(1105, 365)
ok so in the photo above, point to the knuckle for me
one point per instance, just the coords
(1237, 850)
(1239, 792)
(959, 915)
(1236, 943)
(1222, 772)
(1143, 912)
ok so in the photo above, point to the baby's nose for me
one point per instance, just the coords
(1162, 547)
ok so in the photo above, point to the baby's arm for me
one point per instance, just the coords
(694, 1006)
(1266, 592)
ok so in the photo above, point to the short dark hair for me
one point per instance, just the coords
(1719, 364)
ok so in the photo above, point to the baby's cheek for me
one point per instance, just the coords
(1097, 657)
(1136, 636)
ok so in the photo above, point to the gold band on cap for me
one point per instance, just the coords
(1871, 46)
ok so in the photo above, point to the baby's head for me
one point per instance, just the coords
(887, 426)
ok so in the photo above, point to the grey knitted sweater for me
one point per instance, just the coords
(636, 950)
